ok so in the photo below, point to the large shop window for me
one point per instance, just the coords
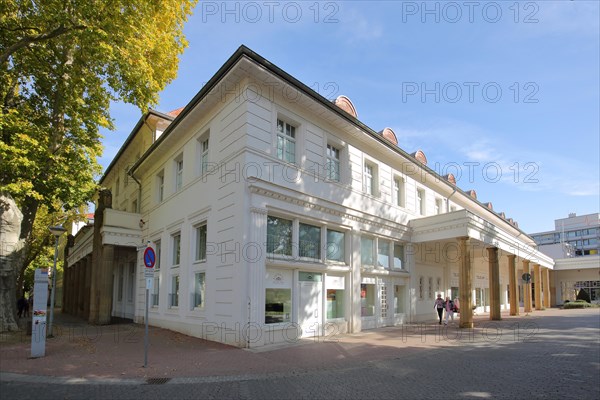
(279, 236)
(398, 256)
(278, 305)
(383, 253)
(367, 300)
(310, 241)
(335, 245)
(335, 296)
(399, 298)
(366, 251)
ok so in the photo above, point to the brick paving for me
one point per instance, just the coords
(548, 354)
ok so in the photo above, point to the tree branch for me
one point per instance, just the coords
(27, 40)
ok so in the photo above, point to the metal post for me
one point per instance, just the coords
(146, 333)
(53, 293)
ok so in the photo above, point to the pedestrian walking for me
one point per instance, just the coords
(449, 309)
(438, 305)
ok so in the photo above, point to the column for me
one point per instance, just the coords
(513, 288)
(256, 278)
(77, 287)
(546, 278)
(81, 288)
(106, 285)
(494, 271)
(538, 286)
(465, 281)
(88, 282)
(526, 289)
(65, 280)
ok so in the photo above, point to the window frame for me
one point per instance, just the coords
(399, 191)
(286, 140)
(160, 186)
(197, 244)
(333, 157)
(176, 249)
(179, 167)
(421, 201)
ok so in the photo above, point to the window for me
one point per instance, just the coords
(366, 251)
(118, 187)
(398, 256)
(157, 251)
(367, 300)
(309, 241)
(279, 236)
(438, 206)
(198, 296)
(383, 253)
(160, 184)
(174, 291)
(333, 163)
(278, 305)
(421, 288)
(421, 201)
(179, 173)
(369, 179)
(201, 232)
(335, 245)
(134, 206)
(203, 155)
(155, 291)
(176, 249)
(286, 142)
(398, 192)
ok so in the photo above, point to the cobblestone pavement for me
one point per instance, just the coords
(551, 354)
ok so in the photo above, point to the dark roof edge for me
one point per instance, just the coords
(130, 138)
(263, 62)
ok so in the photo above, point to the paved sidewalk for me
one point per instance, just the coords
(115, 353)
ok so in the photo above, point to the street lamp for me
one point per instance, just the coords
(57, 231)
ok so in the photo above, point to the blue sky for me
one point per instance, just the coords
(505, 95)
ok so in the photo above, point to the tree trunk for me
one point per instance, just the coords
(11, 246)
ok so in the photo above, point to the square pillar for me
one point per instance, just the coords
(526, 288)
(465, 290)
(538, 286)
(494, 270)
(546, 278)
(513, 298)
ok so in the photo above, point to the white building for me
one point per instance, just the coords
(275, 213)
(574, 244)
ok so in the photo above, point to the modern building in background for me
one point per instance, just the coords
(275, 213)
(575, 246)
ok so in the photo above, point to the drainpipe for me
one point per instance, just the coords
(448, 200)
(139, 190)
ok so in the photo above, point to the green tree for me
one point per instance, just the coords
(61, 64)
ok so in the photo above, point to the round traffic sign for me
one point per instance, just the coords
(149, 257)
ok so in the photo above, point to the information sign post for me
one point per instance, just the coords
(149, 261)
(40, 301)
